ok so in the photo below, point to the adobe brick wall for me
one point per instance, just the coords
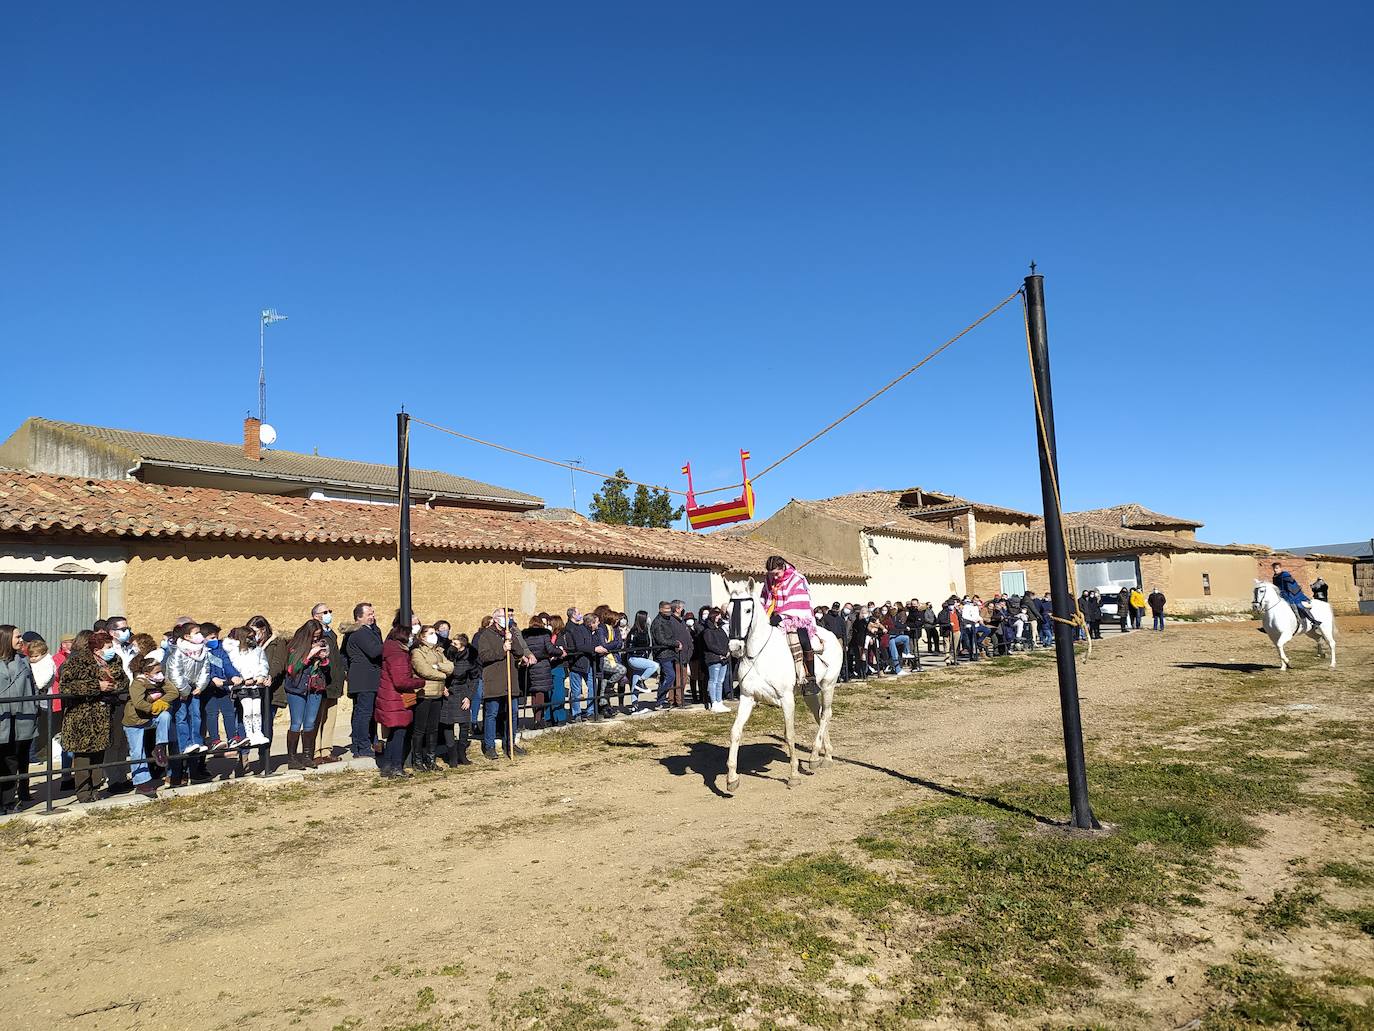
(228, 582)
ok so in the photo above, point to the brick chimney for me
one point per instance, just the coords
(252, 443)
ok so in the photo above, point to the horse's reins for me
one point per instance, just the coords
(741, 634)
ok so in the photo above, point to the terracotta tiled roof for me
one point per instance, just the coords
(212, 456)
(877, 512)
(1130, 516)
(1095, 540)
(39, 503)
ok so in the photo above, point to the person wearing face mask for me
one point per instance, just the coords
(539, 677)
(274, 650)
(639, 657)
(249, 659)
(188, 673)
(583, 651)
(335, 675)
(117, 752)
(397, 696)
(89, 676)
(147, 707)
(496, 643)
(432, 666)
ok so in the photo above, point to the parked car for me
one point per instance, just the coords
(1111, 608)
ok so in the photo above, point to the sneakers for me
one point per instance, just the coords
(491, 753)
(259, 741)
(720, 707)
(237, 741)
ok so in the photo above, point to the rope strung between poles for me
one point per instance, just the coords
(806, 443)
(547, 461)
(1078, 622)
(873, 397)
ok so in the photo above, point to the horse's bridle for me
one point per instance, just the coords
(1259, 591)
(739, 632)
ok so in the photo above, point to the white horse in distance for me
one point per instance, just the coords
(767, 673)
(1281, 623)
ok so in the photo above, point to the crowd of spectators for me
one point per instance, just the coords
(125, 711)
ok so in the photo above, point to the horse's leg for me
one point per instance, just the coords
(789, 720)
(746, 706)
(1330, 639)
(823, 734)
(1284, 638)
(813, 702)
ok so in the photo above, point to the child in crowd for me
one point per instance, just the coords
(225, 678)
(241, 646)
(148, 706)
(455, 715)
(187, 668)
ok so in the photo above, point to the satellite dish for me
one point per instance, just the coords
(267, 435)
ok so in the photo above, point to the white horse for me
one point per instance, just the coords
(767, 673)
(1281, 623)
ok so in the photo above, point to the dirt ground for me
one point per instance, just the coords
(349, 902)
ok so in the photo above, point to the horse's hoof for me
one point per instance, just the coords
(731, 785)
(792, 782)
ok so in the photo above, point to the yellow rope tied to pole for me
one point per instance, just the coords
(1077, 621)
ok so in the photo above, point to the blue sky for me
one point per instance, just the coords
(638, 235)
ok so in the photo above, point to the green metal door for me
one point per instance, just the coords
(51, 604)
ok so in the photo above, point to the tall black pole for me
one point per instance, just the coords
(403, 537)
(1062, 603)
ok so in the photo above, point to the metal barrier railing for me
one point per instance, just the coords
(597, 699)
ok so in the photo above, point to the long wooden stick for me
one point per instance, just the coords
(510, 676)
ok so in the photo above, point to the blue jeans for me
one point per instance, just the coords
(1159, 622)
(495, 723)
(139, 769)
(558, 695)
(304, 710)
(477, 706)
(639, 669)
(360, 737)
(220, 707)
(581, 689)
(667, 672)
(893, 641)
(394, 754)
(186, 715)
(715, 681)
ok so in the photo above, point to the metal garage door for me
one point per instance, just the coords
(645, 588)
(52, 605)
(1107, 574)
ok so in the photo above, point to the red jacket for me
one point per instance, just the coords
(397, 679)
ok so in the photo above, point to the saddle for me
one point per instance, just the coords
(1304, 617)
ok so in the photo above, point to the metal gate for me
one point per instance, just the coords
(645, 588)
(52, 605)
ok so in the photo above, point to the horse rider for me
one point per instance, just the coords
(787, 597)
(1320, 588)
(1292, 593)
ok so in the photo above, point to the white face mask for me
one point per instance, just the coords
(196, 638)
(414, 629)
(431, 639)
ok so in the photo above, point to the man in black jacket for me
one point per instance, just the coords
(1123, 608)
(834, 622)
(1156, 602)
(583, 652)
(666, 646)
(683, 633)
(362, 651)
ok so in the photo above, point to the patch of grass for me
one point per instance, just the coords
(566, 1010)
(1262, 994)
(1289, 908)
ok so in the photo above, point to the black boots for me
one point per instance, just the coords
(293, 750)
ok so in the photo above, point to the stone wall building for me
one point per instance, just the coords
(1129, 545)
(103, 453)
(73, 550)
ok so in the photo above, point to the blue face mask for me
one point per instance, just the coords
(327, 618)
(107, 654)
(122, 635)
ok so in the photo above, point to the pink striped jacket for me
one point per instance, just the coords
(790, 598)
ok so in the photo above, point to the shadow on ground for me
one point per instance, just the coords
(708, 760)
(1228, 667)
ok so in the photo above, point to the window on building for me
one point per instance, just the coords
(1206, 585)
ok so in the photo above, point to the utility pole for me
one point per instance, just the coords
(403, 487)
(1062, 602)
